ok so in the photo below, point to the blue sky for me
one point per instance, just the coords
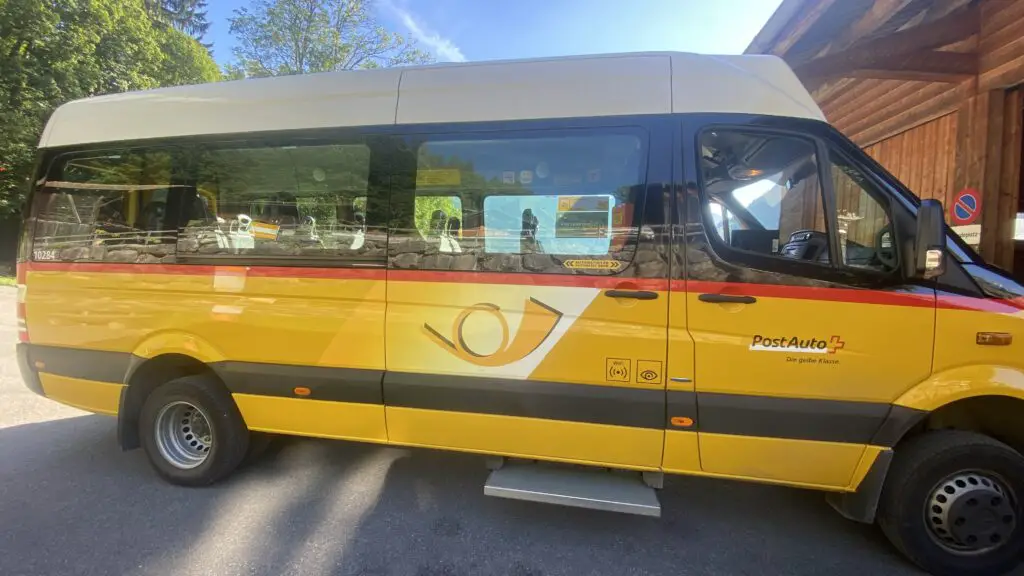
(457, 30)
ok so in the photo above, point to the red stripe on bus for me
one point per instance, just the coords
(525, 279)
(1001, 306)
(848, 295)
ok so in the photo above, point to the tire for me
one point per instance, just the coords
(258, 444)
(224, 431)
(914, 505)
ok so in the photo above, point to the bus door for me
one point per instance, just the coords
(539, 328)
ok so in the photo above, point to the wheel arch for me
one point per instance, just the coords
(995, 415)
(991, 410)
(162, 359)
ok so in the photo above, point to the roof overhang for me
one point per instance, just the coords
(827, 40)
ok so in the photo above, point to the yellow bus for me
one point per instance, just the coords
(593, 271)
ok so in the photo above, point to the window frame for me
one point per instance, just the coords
(757, 260)
(891, 196)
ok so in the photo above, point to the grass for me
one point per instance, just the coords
(7, 281)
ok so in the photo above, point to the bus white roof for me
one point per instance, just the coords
(585, 86)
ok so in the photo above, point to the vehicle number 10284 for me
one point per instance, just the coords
(45, 254)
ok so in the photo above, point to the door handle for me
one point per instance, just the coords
(635, 294)
(726, 299)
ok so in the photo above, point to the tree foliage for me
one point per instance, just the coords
(189, 16)
(55, 51)
(282, 37)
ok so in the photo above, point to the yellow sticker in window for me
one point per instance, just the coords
(265, 231)
(592, 264)
(582, 203)
(438, 177)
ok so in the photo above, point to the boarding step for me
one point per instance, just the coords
(594, 488)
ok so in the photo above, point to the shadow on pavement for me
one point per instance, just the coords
(73, 503)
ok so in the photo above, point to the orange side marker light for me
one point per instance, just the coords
(994, 339)
(681, 421)
(302, 391)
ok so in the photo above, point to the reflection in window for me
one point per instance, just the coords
(763, 194)
(109, 207)
(578, 225)
(865, 236)
(305, 201)
(440, 218)
(565, 196)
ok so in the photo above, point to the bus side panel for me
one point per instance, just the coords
(274, 329)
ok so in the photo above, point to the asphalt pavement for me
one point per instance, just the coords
(72, 503)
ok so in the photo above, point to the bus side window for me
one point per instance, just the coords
(301, 203)
(523, 201)
(107, 206)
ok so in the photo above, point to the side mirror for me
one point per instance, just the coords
(930, 241)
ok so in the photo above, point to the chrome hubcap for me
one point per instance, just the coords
(971, 513)
(183, 435)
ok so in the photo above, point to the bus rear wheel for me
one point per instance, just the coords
(952, 503)
(192, 431)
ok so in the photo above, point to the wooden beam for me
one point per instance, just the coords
(927, 66)
(775, 25)
(879, 13)
(867, 53)
(1010, 185)
(800, 27)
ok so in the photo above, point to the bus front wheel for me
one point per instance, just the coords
(952, 503)
(192, 431)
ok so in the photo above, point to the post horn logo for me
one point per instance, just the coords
(539, 320)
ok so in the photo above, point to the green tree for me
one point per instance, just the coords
(189, 16)
(59, 50)
(282, 37)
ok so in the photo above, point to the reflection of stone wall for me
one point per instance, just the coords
(414, 253)
(212, 241)
(73, 242)
(47, 229)
(134, 253)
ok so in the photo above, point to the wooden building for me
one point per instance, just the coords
(929, 88)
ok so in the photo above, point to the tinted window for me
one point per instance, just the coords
(525, 202)
(107, 206)
(864, 228)
(763, 195)
(288, 201)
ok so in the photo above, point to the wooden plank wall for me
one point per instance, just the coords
(922, 158)
(869, 110)
(1010, 186)
(939, 138)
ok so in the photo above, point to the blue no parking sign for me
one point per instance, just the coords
(965, 208)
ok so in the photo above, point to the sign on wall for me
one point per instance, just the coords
(964, 212)
(966, 207)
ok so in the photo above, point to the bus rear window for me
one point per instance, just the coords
(106, 207)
